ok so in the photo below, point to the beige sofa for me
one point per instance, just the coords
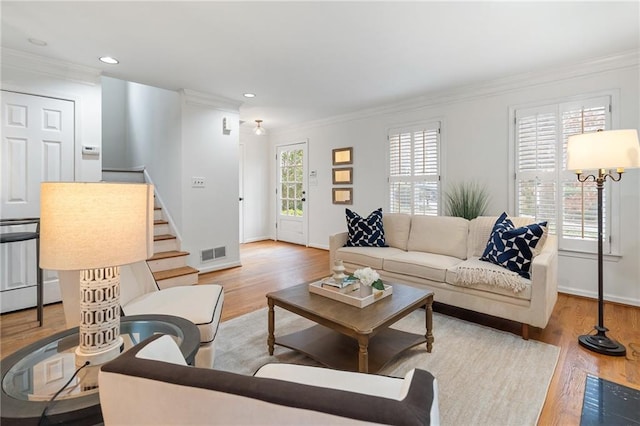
(430, 251)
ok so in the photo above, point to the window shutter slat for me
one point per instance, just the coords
(414, 170)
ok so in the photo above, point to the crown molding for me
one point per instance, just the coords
(621, 60)
(201, 99)
(56, 68)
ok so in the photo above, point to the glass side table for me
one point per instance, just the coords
(32, 375)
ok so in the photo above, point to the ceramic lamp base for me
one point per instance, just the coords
(100, 357)
(99, 328)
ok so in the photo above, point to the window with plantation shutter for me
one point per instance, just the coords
(544, 189)
(414, 170)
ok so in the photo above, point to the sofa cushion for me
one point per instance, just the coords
(422, 265)
(363, 232)
(475, 262)
(184, 302)
(480, 229)
(366, 256)
(396, 229)
(444, 235)
(513, 247)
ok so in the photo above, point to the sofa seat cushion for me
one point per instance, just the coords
(185, 302)
(422, 265)
(366, 256)
(475, 262)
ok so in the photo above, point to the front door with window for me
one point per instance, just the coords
(291, 225)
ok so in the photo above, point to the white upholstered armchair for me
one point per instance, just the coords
(139, 295)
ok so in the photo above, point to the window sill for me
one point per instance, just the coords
(610, 257)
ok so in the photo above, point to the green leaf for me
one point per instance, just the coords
(378, 285)
(467, 199)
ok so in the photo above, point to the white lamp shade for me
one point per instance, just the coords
(94, 225)
(604, 150)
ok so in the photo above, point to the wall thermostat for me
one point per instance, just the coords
(90, 150)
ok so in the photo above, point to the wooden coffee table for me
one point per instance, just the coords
(348, 337)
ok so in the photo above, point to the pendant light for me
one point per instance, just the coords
(259, 130)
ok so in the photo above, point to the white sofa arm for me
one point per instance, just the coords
(544, 282)
(335, 242)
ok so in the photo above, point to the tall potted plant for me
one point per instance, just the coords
(466, 199)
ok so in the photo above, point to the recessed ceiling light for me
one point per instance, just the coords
(37, 42)
(249, 95)
(109, 60)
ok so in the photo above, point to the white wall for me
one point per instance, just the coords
(475, 146)
(176, 136)
(210, 214)
(35, 75)
(256, 185)
(154, 141)
(114, 124)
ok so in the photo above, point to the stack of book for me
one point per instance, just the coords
(348, 285)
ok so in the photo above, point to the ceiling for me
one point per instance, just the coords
(312, 60)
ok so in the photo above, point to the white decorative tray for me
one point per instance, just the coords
(353, 298)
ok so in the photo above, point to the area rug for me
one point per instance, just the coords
(485, 376)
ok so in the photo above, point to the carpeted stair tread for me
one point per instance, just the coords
(168, 254)
(160, 222)
(173, 273)
(164, 237)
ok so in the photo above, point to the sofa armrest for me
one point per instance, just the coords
(336, 241)
(544, 281)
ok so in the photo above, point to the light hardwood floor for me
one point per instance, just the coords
(268, 266)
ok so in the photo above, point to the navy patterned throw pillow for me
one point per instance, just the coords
(365, 232)
(512, 247)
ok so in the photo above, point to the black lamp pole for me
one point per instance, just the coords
(599, 342)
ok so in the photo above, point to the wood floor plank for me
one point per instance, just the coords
(269, 266)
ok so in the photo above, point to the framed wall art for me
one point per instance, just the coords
(343, 176)
(342, 195)
(342, 156)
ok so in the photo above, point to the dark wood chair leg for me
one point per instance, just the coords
(525, 331)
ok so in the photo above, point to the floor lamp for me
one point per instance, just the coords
(602, 151)
(95, 228)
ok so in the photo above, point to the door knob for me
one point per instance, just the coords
(303, 199)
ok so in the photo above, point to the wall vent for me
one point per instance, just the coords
(207, 255)
(220, 252)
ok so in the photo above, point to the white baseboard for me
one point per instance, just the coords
(594, 295)
(319, 246)
(219, 266)
(255, 239)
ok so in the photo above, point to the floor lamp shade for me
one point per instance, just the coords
(95, 228)
(601, 152)
(611, 149)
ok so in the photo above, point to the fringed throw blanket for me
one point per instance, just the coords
(469, 275)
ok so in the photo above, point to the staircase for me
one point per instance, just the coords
(168, 263)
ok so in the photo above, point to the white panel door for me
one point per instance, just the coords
(37, 145)
(291, 193)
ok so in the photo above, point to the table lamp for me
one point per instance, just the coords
(602, 151)
(95, 228)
